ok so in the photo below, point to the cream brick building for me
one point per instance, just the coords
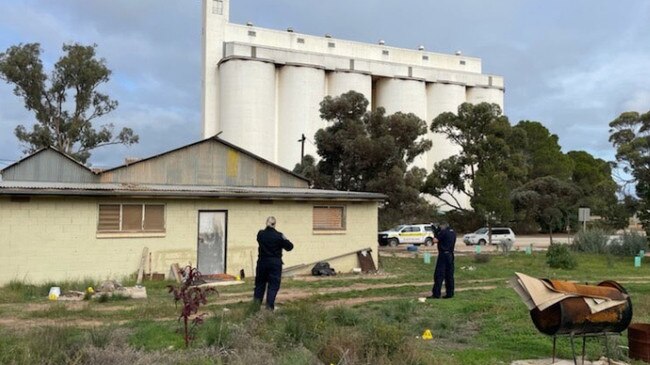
(202, 203)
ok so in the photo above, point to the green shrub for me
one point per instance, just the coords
(155, 335)
(339, 345)
(301, 324)
(559, 256)
(591, 241)
(628, 245)
(383, 338)
(344, 316)
(55, 345)
(99, 337)
(217, 331)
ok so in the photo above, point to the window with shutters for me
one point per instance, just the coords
(329, 218)
(131, 218)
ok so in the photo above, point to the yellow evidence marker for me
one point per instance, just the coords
(427, 335)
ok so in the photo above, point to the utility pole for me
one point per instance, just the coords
(302, 147)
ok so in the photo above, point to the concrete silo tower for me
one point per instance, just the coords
(262, 87)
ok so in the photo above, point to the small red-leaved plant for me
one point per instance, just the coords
(192, 298)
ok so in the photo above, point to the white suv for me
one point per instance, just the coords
(481, 236)
(407, 233)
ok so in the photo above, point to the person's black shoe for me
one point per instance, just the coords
(432, 297)
(447, 297)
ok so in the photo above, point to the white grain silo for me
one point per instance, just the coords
(479, 94)
(406, 96)
(300, 91)
(248, 105)
(340, 82)
(441, 98)
(262, 88)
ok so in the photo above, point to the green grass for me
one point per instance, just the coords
(476, 327)
(151, 335)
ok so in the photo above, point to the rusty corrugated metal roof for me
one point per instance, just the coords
(187, 191)
(43, 149)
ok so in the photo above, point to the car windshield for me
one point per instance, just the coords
(397, 228)
(481, 231)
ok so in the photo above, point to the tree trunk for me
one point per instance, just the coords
(187, 335)
(489, 232)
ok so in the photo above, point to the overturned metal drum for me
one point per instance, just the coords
(572, 316)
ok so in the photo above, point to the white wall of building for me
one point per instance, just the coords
(216, 15)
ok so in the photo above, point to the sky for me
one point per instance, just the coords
(572, 65)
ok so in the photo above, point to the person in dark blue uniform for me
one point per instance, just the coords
(446, 239)
(269, 263)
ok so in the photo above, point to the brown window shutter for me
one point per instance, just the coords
(154, 217)
(109, 218)
(329, 218)
(132, 217)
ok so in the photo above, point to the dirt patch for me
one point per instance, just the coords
(26, 324)
(73, 306)
(343, 277)
(486, 287)
(293, 294)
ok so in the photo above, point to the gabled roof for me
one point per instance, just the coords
(216, 139)
(41, 151)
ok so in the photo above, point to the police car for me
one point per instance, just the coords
(407, 233)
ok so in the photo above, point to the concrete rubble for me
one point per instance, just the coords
(112, 287)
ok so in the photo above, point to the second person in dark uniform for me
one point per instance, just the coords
(268, 273)
(446, 239)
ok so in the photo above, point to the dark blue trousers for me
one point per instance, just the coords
(444, 271)
(268, 274)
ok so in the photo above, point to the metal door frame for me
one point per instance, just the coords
(225, 238)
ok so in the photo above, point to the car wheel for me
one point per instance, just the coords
(393, 242)
(482, 242)
(428, 242)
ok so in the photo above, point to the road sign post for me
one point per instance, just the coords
(583, 216)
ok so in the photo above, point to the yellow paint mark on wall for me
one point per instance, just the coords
(232, 168)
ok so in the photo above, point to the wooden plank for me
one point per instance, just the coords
(176, 271)
(143, 260)
(366, 261)
(150, 270)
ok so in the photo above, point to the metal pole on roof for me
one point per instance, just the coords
(302, 148)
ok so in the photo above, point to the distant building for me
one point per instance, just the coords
(262, 87)
(201, 204)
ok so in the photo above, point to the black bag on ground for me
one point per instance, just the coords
(322, 269)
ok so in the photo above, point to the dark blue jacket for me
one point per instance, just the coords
(446, 240)
(271, 243)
